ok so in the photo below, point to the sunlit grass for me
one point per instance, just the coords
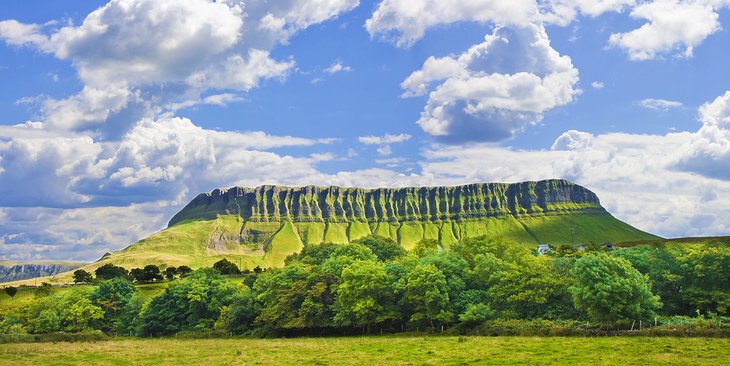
(381, 350)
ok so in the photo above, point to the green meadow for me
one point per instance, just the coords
(376, 350)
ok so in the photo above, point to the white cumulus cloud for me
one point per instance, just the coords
(673, 27)
(496, 88)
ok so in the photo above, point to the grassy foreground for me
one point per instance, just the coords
(372, 350)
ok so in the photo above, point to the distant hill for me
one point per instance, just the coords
(14, 271)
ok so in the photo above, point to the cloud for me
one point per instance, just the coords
(384, 150)
(142, 58)
(337, 67)
(495, 89)
(708, 151)
(222, 99)
(659, 104)
(563, 12)
(405, 22)
(386, 139)
(156, 160)
(598, 85)
(674, 27)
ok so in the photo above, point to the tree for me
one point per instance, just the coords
(112, 296)
(385, 249)
(170, 273)
(193, 303)
(11, 291)
(183, 271)
(530, 289)
(136, 275)
(82, 313)
(426, 247)
(47, 321)
(707, 277)
(240, 315)
(609, 289)
(81, 276)
(295, 297)
(43, 290)
(109, 271)
(427, 295)
(151, 273)
(129, 320)
(364, 297)
(476, 314)
(226, 267)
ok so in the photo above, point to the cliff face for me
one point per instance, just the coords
(341, 205)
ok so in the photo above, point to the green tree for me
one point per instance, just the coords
(226, 267)
(364, 297)
(609, 289)
(427, 247)
(295, 297)
(82, 276)
(112, 296)
(385, 249)
(44, 290)
(11, 291)
(240, 315)
(81, 314)
(170, 273)
(707, 277)
(476, 314)
(183, 271)
(193, 303)
(47, 321)
(530, 288)
(129, 319)
(427, 296)
(109, 271)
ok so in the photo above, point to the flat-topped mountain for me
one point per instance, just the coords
(262, 226)
(337, 204)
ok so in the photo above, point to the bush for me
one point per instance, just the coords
(11, 291)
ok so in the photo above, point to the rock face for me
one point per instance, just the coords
(342, 205)
(21, 271)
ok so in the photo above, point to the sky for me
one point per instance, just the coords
(115, 114)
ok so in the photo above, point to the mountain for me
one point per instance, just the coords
(261, 226)
(14, 271)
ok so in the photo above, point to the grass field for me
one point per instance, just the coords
(385, 350)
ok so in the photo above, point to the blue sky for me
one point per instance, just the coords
(116, 113)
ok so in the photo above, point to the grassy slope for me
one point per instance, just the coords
(380, 350)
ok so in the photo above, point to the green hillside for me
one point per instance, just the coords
(262, 226)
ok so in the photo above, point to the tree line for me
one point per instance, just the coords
(374, 285)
